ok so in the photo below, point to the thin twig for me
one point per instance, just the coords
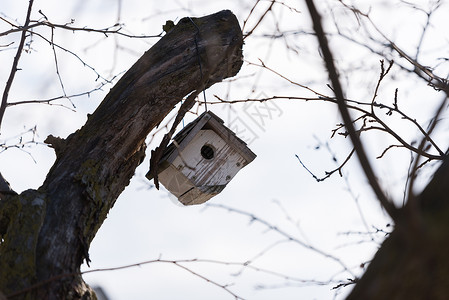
(114, 29)
(423, 72)
(390, 109)
(382, 75)
(412, 201)
(177, 263)
(50, 101)
(58, 74)
(181, 264)
(263, 65)
(269, 226)
(75, 55)
(15, 63)
(355, 106)
(328, 173)
(260, 19)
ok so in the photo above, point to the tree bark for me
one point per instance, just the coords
(413, 263)
(47, 232)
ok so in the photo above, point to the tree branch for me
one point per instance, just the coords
(361, 154)
(5, 188)
(95, 164)
(15, 63)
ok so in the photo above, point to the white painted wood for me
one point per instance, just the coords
(206, 172)
(225, 133)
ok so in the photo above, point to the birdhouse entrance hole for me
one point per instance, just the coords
(207, 152)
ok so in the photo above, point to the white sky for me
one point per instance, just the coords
(146, 224)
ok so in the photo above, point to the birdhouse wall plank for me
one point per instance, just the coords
(195, 196)
(175, 181)
(198, 195)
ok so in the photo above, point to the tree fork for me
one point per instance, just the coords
(49, 230)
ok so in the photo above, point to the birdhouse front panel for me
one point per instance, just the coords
(208, 160)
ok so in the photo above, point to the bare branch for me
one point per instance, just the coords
(178, 263)
(50, 101)
(114, 29)
(21, 142)
(15, 63)
(181, 264)
(423, 72)
(386, 203)
(224, 287)
(73, 54)
(355, 106)
(382, 75)
(370, 113)
(269, 226)
(328, 173)
(263, 65)
(412, 203)
(57, 66)
(260, 19)
(388, 148)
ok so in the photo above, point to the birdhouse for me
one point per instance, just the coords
(202, 159)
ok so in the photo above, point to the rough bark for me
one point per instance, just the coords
(47, 232)
(413, 263)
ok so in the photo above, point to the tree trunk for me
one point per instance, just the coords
(413, 263)
(47, 232)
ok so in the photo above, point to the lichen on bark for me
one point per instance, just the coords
(25, 214)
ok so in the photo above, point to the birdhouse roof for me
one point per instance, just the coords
(206, 120)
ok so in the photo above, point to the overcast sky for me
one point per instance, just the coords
(147, 224)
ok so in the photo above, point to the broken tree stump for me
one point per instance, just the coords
(96, 163)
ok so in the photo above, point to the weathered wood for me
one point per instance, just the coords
(96, 163)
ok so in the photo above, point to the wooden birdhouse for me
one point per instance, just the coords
(202, 159)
